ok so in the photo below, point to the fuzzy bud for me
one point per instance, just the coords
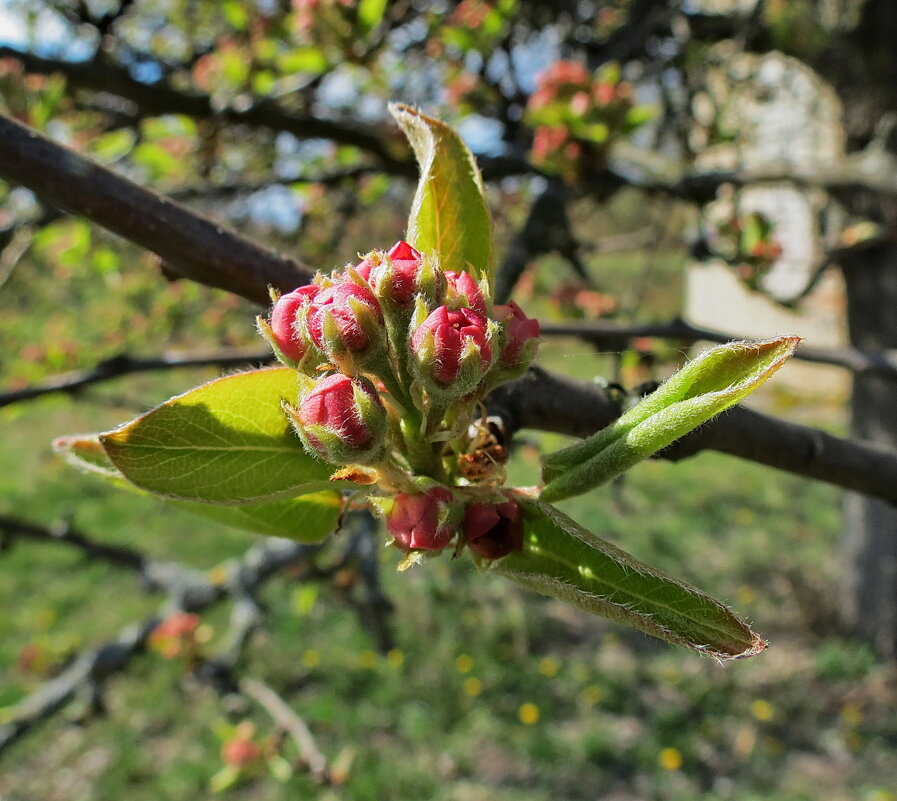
(344, 317)
(521, 336)
(341, 419)
(422, 521)
(462, 288)
(448, 341)
(493, 530)
(284, 329)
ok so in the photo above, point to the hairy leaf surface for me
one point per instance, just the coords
(563, 560)
(307, 518)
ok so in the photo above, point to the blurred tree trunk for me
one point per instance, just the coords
(870, 535)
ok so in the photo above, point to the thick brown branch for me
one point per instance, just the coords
(117, 366)
(190, 245)
(549, 402)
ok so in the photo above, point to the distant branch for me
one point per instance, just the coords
(190, 245)
(159, 98)
(613, 336)
(73, 382)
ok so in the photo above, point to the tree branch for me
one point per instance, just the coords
(190, 245)
(123, 364)
(616, 337)
(549, 402)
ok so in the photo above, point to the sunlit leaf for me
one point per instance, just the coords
(307, 518)
(449, 215)
(563, 560)
(224, 442)
(706, 386)
(370, 13)
(303, 60)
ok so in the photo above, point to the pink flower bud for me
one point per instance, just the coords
(339, 417)
(240, 752)
(338, 301)
(604, 93)
(284, 321)
(439, 342)
(397, 278)
(420, 521)
(519, 330)
(493, 530)
(460, 284)
(365, 267)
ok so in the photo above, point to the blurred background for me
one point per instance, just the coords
(662, 173)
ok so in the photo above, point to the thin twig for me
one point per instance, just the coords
(290, 722)
(124, 364)
(615, 337)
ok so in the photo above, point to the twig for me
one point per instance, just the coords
(288, 720)
(615, 337)
(124, 364)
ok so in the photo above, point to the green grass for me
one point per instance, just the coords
(618, 715)
(423, 723)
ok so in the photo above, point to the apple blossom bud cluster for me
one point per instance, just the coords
(576, 115)
(393, 357)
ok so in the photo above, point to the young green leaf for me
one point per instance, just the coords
(563, 560)
(224, 442)
(707, 385)
(370, 13)
(307, 518)
(449, 215)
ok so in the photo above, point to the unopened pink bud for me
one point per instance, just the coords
(285, 321)
(240, 753)
(519, 330)
(461, 284)
(336, 301)
(604, 93)
(417, 522)
(365, 267)
(452, 330)
(493, 530)
(332, 405)
(397, 279)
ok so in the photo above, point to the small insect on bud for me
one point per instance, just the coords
(284, 329)
(493, 530)
(422, 521)
(341, 420)
(449, 340)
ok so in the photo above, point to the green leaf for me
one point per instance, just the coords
(449, 215)
(225, 442)
(110, 147)
(707, 385)
(308, 60)
(370, 13)
(563, 560)
(307, 518)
